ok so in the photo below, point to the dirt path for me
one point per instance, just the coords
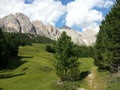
(92, 82)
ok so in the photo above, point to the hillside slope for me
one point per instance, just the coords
(33, 70)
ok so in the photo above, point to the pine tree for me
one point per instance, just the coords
(102, 54)
(107, 55)
(115, 14)
(67, 65)
(3, 51)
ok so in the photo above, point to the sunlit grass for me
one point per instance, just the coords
(33, 70)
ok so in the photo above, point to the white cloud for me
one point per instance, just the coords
(48, 11)
(83, 13)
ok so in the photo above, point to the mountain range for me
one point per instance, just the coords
(20, 23)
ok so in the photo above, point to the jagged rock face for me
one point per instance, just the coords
(10, 23)
(75, 36)
(89, 37)
(40, 28)
(21, 23)
(53, 32)
(48, 30)
(65, 27)
(17, 23)
(25, 23)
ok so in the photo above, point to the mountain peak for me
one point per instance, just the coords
(22, 24)
(65, 27)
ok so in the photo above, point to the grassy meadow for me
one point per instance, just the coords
(33, 69)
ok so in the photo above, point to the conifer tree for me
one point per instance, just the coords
(3, 51)
(107, 55)
(67, 65)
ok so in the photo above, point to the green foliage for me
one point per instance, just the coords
(3, 51)
(14, 40)
(113, 82)
(84, 51)
(33, 69)
(22, 39)
(107, 48)
(67, 65)
(50, 48)
(67, 86)
(9, 43)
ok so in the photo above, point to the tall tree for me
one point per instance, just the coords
(107, 55)
(3, 51)
(67, 65)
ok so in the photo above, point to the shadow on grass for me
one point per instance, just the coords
(15, 62)
(84, 74)
(0, 88)
(5, 76)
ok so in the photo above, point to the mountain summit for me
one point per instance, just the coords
(20, 23)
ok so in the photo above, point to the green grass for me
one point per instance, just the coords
(33, 70)
(86, 64)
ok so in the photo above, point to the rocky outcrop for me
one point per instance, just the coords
(21, 23)
(10, 24)
(40, 28)
(89, 37)
(48, 30)
(75, 36)
(53, 32)
(17, 23)
(25, 23)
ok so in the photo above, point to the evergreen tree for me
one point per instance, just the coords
(67, 65)
(3, 51)
(115, 23)
(107, 55)
(102, 53)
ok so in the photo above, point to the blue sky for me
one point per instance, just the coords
(61, 21)
(77, 14)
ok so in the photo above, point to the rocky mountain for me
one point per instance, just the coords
(75, 36)
(48, 30)
(21, 23)
(87, 37)
(17, 23)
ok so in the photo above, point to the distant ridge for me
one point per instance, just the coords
(21, 23)
(65, 27)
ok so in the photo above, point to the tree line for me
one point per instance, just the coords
(107, 47)
(9, 43)
(106, 50)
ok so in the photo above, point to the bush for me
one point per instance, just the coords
(49, 48)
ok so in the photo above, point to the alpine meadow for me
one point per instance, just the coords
(60, 45)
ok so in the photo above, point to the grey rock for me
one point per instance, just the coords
(89, 37)
(21, 23)
(10, 24)
(17, 23)
(25, 23)
(48, 30)
(75, 36)
(65, 27)
(40, 28)
(53, 32)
